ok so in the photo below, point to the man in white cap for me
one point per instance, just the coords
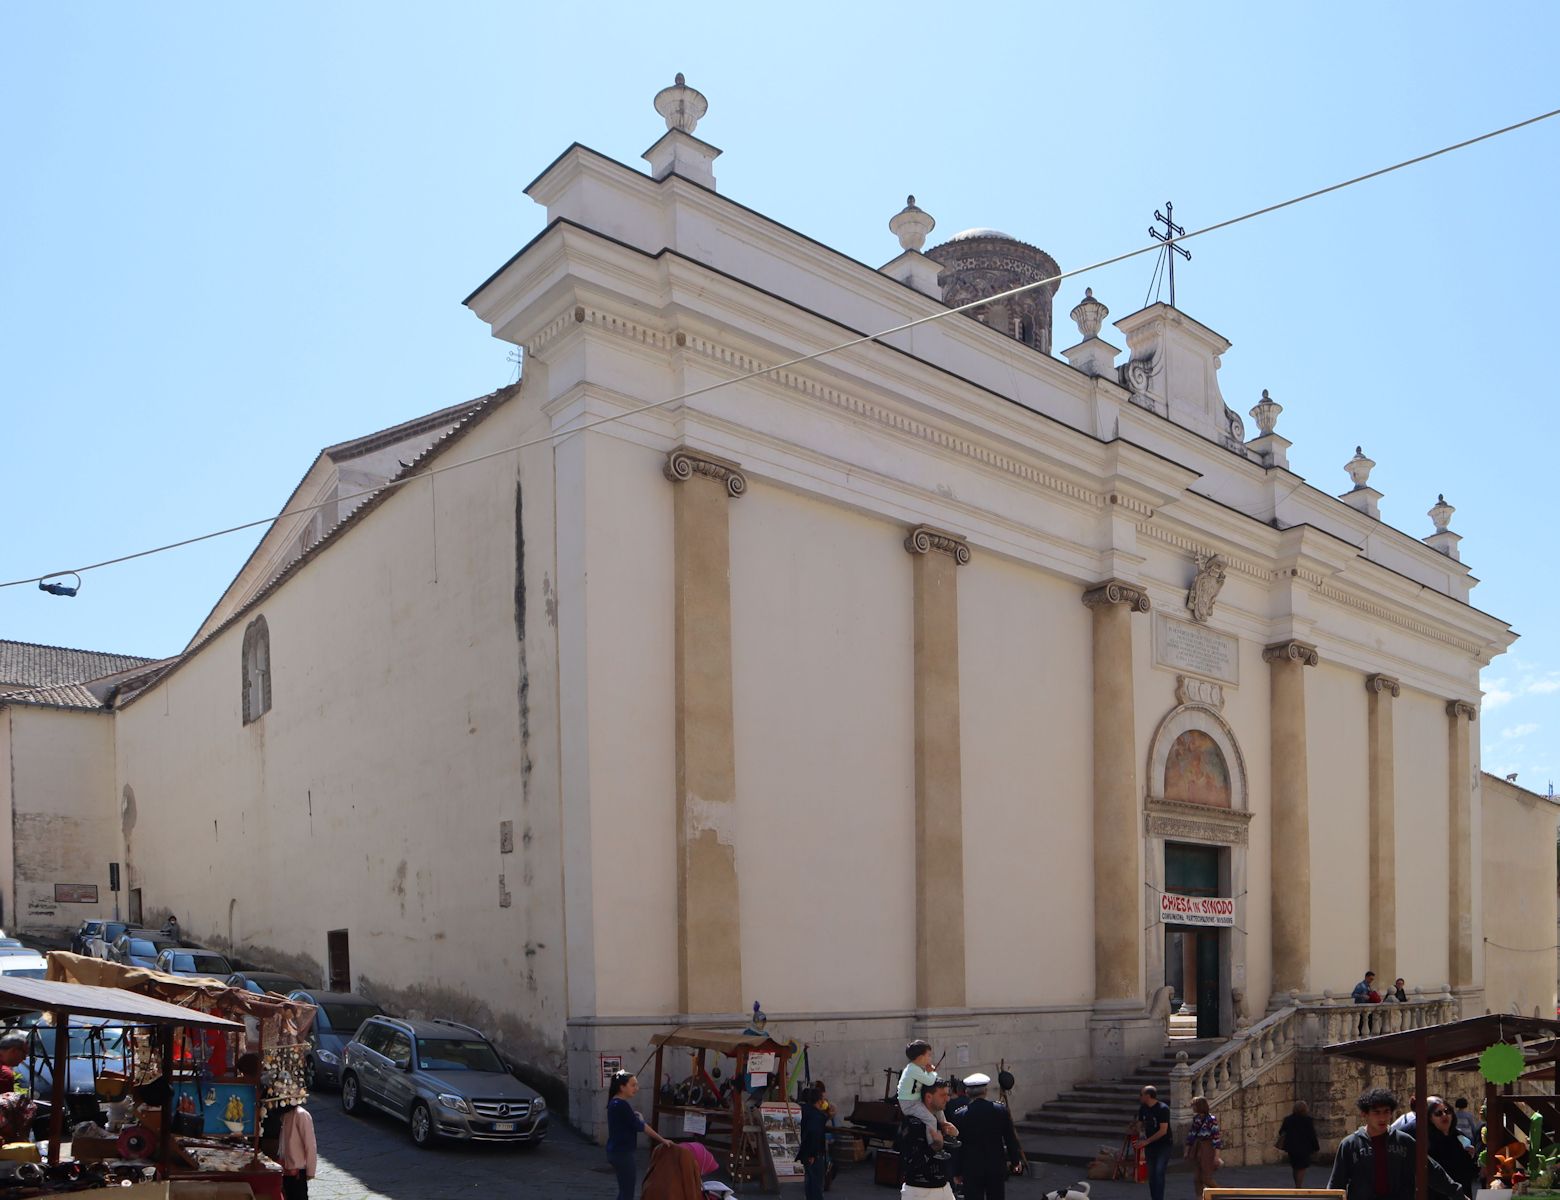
(988, 1145)
(925, 1166)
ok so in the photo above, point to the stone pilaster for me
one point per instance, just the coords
(1291, 837)
(939, 807)
(1118, 833)
(1460, 716)
(709, 945)
(1382, 690)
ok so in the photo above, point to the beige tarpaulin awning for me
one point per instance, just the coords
(286, 1022)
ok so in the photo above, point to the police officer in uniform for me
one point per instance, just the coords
(988, 1151)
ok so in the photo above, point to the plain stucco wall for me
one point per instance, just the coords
(1519, 899)
(1337, 767)
(1423, 788)
(369, 798)
(61, 809)
(823, 651)
(1028, 789)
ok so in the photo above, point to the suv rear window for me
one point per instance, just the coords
(344, 1018)
(450, 1054)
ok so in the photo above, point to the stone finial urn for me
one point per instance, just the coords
(1265, 413)
(681, 105)
(1359, 468)
(1089, 314)
(1441, 514)
(911, 225)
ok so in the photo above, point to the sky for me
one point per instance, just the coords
(233, 234)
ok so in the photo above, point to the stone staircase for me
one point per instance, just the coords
(1072, 1127)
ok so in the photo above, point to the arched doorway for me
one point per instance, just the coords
(1195, 858)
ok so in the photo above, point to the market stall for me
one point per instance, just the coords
(150, 1138)
(739, 1108)
(1449, 1043)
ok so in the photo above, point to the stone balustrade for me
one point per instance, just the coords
(1255, 1050)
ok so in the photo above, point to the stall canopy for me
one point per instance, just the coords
(1455, 1040)
(714, 1039)
(87, 1000)
(286, 1022)
(1440, 1043)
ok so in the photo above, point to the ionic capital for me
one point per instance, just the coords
(1292, 651)
(923, 539)
(683, 464)
(1461, 708)
(1383, 683)
(1114, 591)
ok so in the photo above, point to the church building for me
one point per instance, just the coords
(984, 681)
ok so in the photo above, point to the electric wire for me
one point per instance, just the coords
(861, 339)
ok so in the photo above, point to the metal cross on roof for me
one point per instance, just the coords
(1172, 248)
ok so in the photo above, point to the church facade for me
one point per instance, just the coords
(939, 685)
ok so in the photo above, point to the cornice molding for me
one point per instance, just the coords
(1292, 651)
(683, 464)
(924, 539)
(1396, 617)
(1379, 684)
(1116, 591)
(1461, 708)
(1200, 822)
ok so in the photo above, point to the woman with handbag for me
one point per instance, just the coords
(1203, 1143)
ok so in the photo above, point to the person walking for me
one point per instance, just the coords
(988, 1143)
(1153, 1123)
(1203, 1143)
(1376, 1162)
(1297, 1139)
(1467, 1125)
(623, 1126)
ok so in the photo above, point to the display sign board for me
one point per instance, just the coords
(1212, 911)
(75, 893)
(611, 1064)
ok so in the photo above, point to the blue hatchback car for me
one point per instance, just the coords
(337, 1016)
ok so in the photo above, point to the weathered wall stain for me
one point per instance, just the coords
(538, 1059)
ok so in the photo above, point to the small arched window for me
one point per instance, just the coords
(257, 669)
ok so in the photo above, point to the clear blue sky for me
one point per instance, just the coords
(235, 235)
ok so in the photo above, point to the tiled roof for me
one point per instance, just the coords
(53, 676)
(27, 664)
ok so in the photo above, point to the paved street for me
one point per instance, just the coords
(372, 1157)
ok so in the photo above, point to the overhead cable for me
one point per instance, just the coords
(1151, 247)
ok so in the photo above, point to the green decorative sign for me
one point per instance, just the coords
(1502, 1063)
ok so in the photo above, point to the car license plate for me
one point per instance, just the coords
(505, 1126)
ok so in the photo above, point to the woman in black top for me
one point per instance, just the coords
(1297, 1139)
(1446, 1149)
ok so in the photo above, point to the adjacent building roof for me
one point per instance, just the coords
(55, 676)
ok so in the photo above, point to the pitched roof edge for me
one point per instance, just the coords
(481, 409)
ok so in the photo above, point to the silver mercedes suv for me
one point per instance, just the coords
(442, 1079)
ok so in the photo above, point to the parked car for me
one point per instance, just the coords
(337, 1017)
(177, 960)
(139, 948)
(95, 1044)
(442, 1079)
(27, 964)
(85, 933)
(11, 943)
(100, 945)
(261, 982)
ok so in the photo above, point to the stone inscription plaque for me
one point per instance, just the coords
(1197, 649)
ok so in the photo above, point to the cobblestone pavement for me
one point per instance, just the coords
(372, 1158)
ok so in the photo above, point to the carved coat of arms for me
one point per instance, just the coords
(1205, 586)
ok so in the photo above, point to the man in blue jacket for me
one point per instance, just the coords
(1376, 1162)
